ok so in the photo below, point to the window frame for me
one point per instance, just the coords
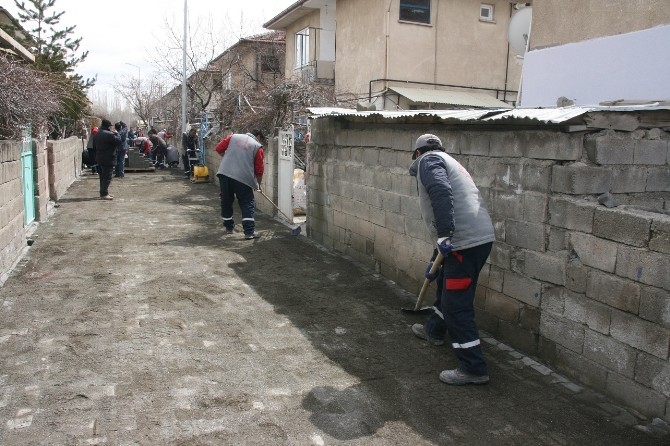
(490, 8)
(302, 48)
(410, 7)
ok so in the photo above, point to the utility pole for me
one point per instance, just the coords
(184, 124)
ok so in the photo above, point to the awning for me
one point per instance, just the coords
(450, 97)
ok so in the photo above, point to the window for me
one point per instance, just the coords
(302, 48)
(229, 81)
(415, 11)
(486, 13)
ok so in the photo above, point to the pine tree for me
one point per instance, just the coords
(56, 53)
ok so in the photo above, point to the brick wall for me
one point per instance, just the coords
(579, 285)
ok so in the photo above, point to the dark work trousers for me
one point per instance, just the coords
(454, 310)
(91, 157)
(119, 171)
(105, 174)
(230, 189)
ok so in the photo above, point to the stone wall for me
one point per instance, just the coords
(582, 286)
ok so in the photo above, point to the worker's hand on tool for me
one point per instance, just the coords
(444, 245)
(428, 275)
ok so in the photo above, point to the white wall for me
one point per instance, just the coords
(632, 66)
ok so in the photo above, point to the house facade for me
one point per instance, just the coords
(591, 52)
(401, 54)
(232, 83)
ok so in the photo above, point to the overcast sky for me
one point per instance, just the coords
(123, 32)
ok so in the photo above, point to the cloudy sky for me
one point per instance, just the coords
(121, 34)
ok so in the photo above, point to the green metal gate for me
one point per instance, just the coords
(28, 181)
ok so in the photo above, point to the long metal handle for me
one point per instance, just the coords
(276, 207)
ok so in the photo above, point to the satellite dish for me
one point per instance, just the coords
(519, 30)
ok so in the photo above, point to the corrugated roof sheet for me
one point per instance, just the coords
(555, 115)
(450, 97)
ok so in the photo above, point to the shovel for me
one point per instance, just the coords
(294, 230)
(417, 308)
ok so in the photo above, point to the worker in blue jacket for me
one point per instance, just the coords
(453, 210)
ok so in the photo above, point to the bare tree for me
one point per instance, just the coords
(26, 97)
(142, 95)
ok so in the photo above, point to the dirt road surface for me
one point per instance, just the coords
(138, 321)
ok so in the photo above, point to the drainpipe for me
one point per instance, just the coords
(435, 59)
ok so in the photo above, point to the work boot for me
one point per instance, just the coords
(420, 332)
(251, 236)
(458, 377)
(107, 197)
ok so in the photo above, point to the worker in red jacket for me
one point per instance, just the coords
(240, 173)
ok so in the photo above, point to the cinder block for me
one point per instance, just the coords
(377, 216)
(523, 175)
(391, 202)
(629, 179)
(530, 318)
(563, 332)
(473, 143)
(501, 255)
(643, 399)
(655, 305)
(598, 317)
(374, 198)
(572, 214)
(496, 276)
(535, 207)
(483, 171)
(506, 144)
(575, 307)
(522, 288)
(578, 367)
(640, 265)
(410, 206)
(640, 334)
(395, 222)
(382, 180)
(593, 251)
(403, 184)
(521, 338)
(547, 267)
(623, 225)
(548, 145)
(608, 149)
(506, 205)
(651, 152)
(416, 229)
(609, 353)
(558, 239)
(371, 156)
(525, 235)
(653, 373)
(614, 291)
(576, 276)
(580, 179)
(658, 179)
(502, 306)
(553, 300)
(660, 234)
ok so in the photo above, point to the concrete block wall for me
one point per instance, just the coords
(583, 287)
(64, 164)
(12, 229)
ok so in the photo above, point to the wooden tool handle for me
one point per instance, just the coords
(426, 282)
